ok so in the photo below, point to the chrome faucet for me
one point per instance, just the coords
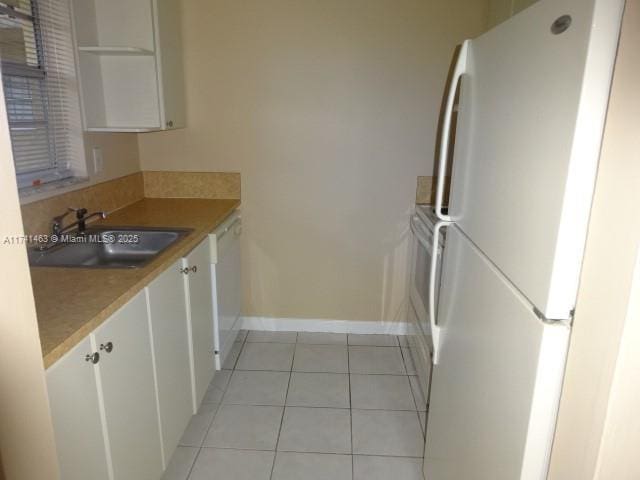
(80, 223)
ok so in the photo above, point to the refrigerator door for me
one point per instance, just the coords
(533, 101)
(495, 392)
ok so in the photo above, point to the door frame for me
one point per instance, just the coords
(23, 393)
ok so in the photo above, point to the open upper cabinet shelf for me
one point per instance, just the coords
(129, 64)
(116, 50)
(122, 129)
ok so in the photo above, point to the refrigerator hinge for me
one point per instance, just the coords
(544, 319)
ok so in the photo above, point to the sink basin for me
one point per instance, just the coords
(108, 247)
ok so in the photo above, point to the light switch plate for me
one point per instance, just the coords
(98, 161)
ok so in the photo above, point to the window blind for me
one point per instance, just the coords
(38, 75)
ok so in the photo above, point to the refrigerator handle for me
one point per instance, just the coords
(435, 329)
(458, 71)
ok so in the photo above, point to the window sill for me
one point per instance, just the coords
(29, 193)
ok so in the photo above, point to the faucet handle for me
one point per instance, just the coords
(59, 218)
(80, 213)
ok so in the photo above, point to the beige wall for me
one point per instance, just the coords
(590, 405)
(618, 456)
(328, 110)
(500, 10)
(120, 153)
(120, 158)
(26, 434)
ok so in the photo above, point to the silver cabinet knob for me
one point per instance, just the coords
(92, 357)
(170, 124)
(107, 347)
(194, 269)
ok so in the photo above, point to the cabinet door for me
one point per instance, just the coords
(170, 66)
(167, 312)
(75, 410)
(199, 294)
(125, 377)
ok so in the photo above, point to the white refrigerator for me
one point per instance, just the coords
(533, 99)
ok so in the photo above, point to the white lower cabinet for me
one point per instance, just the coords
(126, 383)
(103, 402)
(122, 398)
(198, 289)
(167, 312)
(75, 410)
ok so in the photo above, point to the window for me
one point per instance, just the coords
(40, 88)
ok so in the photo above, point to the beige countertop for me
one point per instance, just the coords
(72, 302)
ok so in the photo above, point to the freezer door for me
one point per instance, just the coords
(495, 392)
(533, 103)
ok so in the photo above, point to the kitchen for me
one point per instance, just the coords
(272, 155)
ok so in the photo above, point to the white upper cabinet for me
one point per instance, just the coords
(129, 55)
(170, 68)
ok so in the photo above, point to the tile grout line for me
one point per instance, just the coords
(324, 371)
(217, 409)
(404, 362)
(330, 373)
(193, 464)
(244, 342)
(413, 396)
(410, 410)
(306, 452)
(213, 417)
(350, 406)
(284, 407)
(291, 371)
(224, 392)
(415, 402)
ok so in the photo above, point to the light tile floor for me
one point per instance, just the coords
(307, 406)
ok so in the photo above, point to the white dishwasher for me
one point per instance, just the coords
(227, 296)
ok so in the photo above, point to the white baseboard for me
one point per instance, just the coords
(326, 326)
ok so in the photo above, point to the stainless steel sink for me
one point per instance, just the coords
(107, 247)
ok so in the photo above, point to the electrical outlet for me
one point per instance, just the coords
(98, 161)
